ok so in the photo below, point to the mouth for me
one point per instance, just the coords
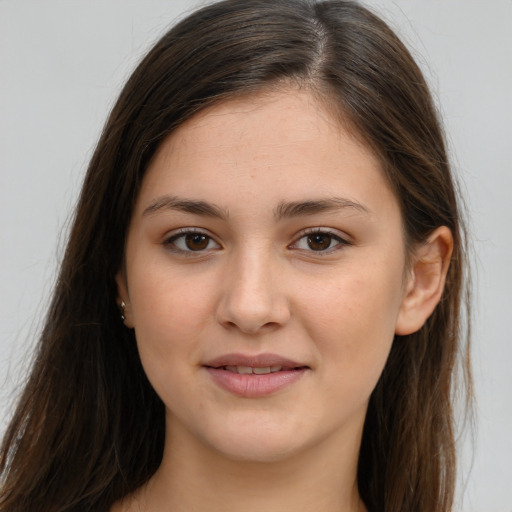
(258, 364)
(254, 376)
(249, 370)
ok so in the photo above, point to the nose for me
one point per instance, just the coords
(253, 299)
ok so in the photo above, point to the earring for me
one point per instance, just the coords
(123, 307)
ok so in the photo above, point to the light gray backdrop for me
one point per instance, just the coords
(62, 64)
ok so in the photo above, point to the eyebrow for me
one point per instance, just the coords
(283, 210)
(186, 206)
(312, 207)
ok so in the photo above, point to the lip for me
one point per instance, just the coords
(255, 361)
(254, 385)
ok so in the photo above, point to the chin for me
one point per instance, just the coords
(256, 450)
(258, 441)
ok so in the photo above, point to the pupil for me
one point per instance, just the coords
(196, 242)
(319, 242)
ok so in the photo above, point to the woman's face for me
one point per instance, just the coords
(264, 277)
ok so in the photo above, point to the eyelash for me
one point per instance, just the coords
(341, 242)
(170, 242)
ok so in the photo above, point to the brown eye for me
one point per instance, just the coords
(191, 241)
(196, 241)
(319, 241)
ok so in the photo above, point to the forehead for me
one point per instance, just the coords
(278, 145)
(271, 119)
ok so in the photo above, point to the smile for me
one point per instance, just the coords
(248, 370)
(254, 376)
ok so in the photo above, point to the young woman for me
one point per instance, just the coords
(259, 304)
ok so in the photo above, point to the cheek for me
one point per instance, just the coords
(170, 312)
(366, 298)
(169, 321)
(352, 319)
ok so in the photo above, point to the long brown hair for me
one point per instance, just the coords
(89, 429)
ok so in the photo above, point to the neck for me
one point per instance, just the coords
(320, 478)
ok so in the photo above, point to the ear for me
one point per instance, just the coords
(425, 284)
(123, 299)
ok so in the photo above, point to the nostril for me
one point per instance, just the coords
(251, 328)
(252, 303)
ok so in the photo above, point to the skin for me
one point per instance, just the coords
(258, 284)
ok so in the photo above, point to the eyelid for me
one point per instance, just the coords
(341, 238)
(171, 237)
(174, 235)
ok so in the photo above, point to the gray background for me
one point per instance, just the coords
(62, 63)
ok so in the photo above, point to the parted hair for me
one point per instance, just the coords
(89, 428)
